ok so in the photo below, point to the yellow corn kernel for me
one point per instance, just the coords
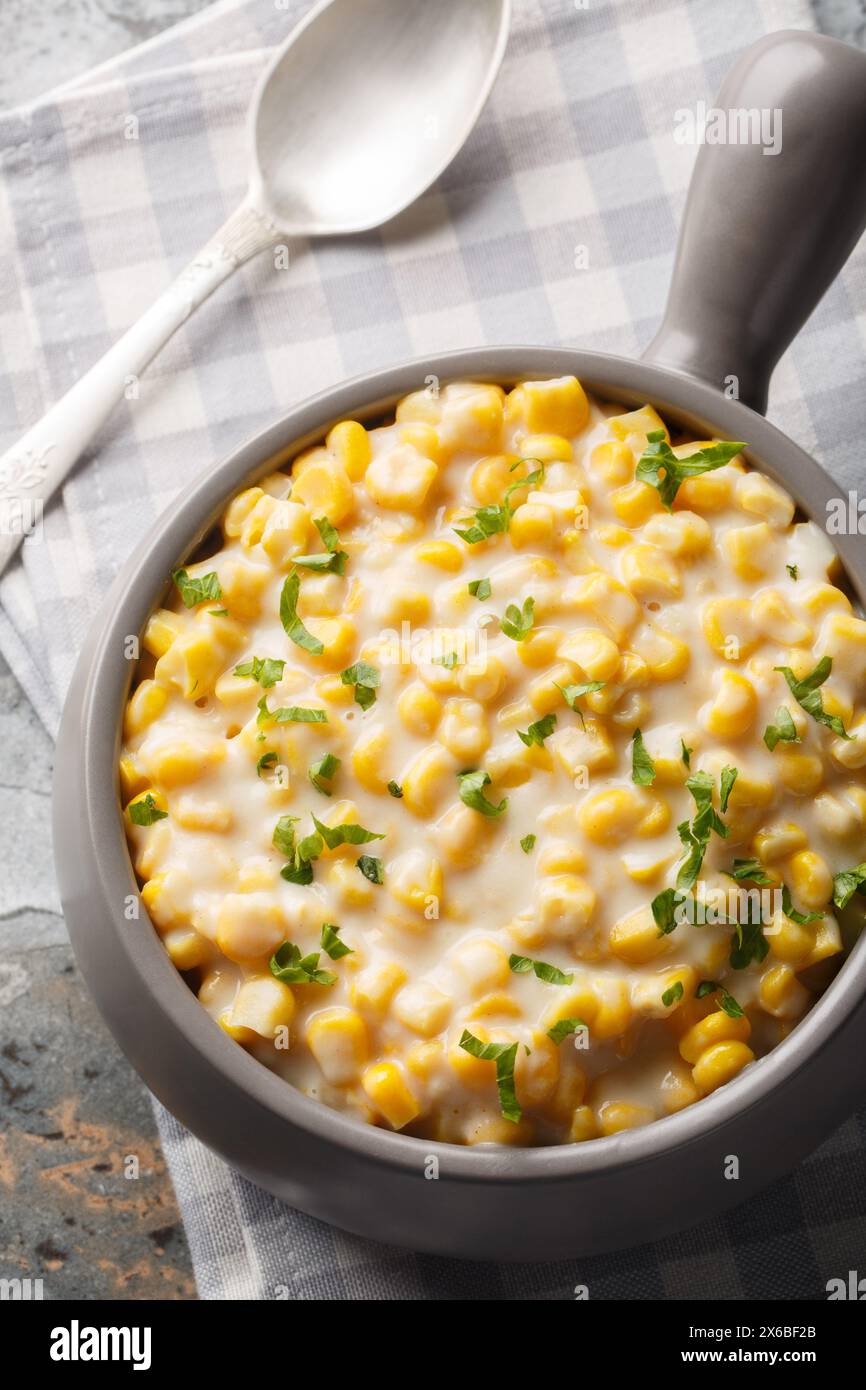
(332, 688)
(441, 554)
(242, 587)
(484, 677)
(734, 708)
(828, 942)
(374, 987)
(239, 510)
(650, 572)
(244, 1036)
(636, 938)
(400, 479)
(583, 1125)
(666, 656)
(482, 963)
(594, 653)
(173, 764)
(368, 759)
(264, 1005)
(729, 628)
(634, 503)
(510, 763)
(810, 878)
(462, 836)
(463, 730)
(678, 1090)
(710, 492)
(351, 888)
(614, 462)
(605, 599)
(424, 1059)
(775, 842)
(322, 596)
(544, 692)
(775, 618)
(532, 524)
(469, 1070)
(193, 813)
(584, 750)
(145, 704)
(423, 1008)
(132, 778)
(407, 605)
(720, 1064)
(540, 646)
(546, 448)
(748, 550)
(387, 1089)
(186, 949)
(557, 406)
(199, 656)
(782, 994)
(683, 534)
(277, 485)
(536, 1073)
(425, 439)
(609, 816)
(564, 904)
(634, 426)
(789, 941)
(249, 927)
(755, 493)
(616, 1115)
(472, 417)
(338, 1040)
(286, 532)
(707, 1032)
(415, 879)
(325, 489)
(799, 772)
(419, 709)
(162, 628)
(350, 443)
(491, 476)
(427, 778)
(648, 994)
(424, 406)
(843, 637)
(821, 599)
(613, 536)
(338, 637)
(252, 530)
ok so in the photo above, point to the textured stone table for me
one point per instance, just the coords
(72, 1113)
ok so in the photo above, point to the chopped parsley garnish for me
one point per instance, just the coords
(299, 868)
(480, 589)
(726, 786)
(293, 969)
(517, 622)
(366, 679)
(289, 714)
(323, 771)
(394, 789)
(495, 520)
(793, 570)
(660, 468)
(672, 995)
(748, 943)
(264, 670)
(808, 695)
(449, 661)
(332, 560)
(727, 1002)
(196, 590)
(801, 918)
(750, 871)
(686, 753)
(292, 625)
(521, 965)
(331, 943)
(504, 1055)
(695, 836)
(372, 868)
(572, 693)
(472, 793)
(283, 837)
(783, 731)
(351, 834)
(145, 811)
(643, 770)
(527, 844)
(538, 732)
(561, 1030)
(663, 907)
(265, 761)
(847, 883)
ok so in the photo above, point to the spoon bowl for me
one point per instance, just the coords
(366, 105)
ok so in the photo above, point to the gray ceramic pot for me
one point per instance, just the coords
(763, 236)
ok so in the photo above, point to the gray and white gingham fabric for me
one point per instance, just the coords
(575, 150)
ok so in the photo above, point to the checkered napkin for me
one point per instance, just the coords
(575, 150)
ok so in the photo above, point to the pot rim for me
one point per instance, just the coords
(96, 723)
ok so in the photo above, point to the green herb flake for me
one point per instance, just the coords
(351, 834)
(289, 714)
(538, 732)
(686, 753)
(504, 1055)
(372, 868)
(793, 570)
(449, 661)
(660, 468)
(366, 680)
(267, 760)
(264, 670)
(145, 811)
(292, 625)
(750, 871)
(808, 695)
(196, 590)
(522, 965)
(564, 1028)
(643, 770)
(674, 994)
(748, 944)
(726, 785)
(394, 789)
(847, 883)
(480, 589)
(472, 793)
(801, 918)
(488, 521)
(517, 622)
(333, 560)
(663, 908)
(288, 965)
(783, 731)
(527, 844)
(322, 771)
(572, 693)
(331, 943)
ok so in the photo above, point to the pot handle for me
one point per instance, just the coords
(767, 226)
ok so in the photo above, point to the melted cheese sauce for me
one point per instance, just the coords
(681, 615)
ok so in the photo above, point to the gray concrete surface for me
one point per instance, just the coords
(72, 1113)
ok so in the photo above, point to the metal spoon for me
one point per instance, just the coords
(360, 110)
